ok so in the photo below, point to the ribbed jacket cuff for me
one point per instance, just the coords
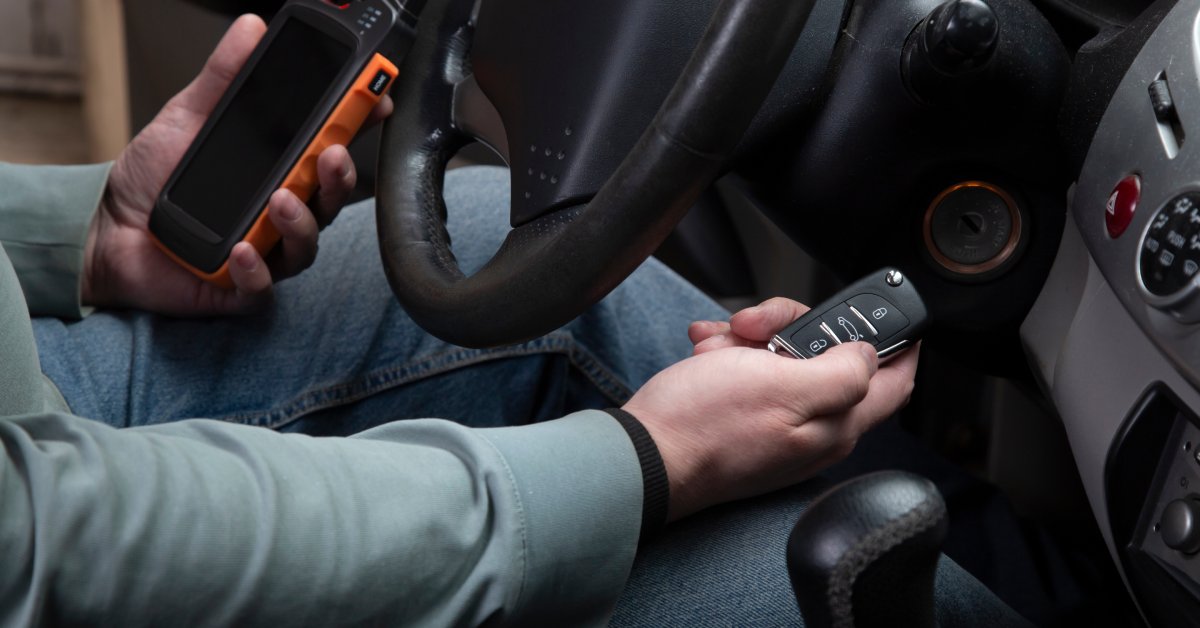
(656, 488)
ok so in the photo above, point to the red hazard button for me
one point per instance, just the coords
(1118, 212)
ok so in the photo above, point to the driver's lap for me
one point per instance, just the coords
(335, 353)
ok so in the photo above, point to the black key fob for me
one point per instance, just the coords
(882, 308)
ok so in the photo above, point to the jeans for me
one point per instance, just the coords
(335, 355)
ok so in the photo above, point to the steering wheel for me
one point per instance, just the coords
(564, 252)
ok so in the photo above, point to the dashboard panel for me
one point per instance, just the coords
(1115, 334)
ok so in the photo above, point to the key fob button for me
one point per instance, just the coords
(847, 325)
(812, 340)
(883, 316)
(865, 316)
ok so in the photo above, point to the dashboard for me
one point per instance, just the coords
(1114, 336)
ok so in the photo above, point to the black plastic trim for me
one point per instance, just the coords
(1133, 465)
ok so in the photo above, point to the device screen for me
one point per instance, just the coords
(255, 130)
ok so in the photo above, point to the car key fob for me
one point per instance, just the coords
(882, 308)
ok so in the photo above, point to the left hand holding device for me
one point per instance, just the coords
(123, 267)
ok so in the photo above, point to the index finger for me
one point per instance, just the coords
(763, 321)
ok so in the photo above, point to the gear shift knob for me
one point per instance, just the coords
(865, 553)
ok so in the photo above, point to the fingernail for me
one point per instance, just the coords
(290, 210)
(868, 352)
(246, 259)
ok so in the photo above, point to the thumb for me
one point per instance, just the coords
(203, 93)
(833, 381)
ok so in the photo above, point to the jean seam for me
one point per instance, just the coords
(380, 380)
(384, 379)
(603, 378)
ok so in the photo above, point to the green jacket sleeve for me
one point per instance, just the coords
(23, 388)
(417, 522)
(207, 523)
(45, 212)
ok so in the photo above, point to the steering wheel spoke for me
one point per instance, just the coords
(475, 115)
(563, 255)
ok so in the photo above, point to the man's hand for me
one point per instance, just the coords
(123, 268)
(735, 421)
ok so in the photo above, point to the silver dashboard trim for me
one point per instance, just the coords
(1127, 142)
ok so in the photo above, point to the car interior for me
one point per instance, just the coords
(1025, 164)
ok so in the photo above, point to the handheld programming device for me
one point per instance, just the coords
(318, 72)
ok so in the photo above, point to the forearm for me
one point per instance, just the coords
(419, 522)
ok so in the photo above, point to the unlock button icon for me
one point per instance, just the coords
(886, 317)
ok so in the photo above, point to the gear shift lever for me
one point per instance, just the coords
(865, 553)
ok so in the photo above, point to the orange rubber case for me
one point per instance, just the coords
(339, 128)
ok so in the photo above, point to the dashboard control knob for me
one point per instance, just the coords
(960, 35)
(956, 39)
(1169, 258)
(1170, 251)
(1181, 525)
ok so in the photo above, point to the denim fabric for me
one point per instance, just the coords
(727, 566)
(336, 355)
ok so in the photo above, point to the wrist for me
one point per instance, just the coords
(655, 484)
(681, 460)
(91, 281)
(89, 263)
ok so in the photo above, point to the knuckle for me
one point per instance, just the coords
(785, 305)
(310, 256)
(844, 447)
(906, 392)
(806, 442)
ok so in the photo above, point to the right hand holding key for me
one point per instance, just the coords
(736, 420)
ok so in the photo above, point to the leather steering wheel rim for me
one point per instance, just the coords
(551, 269)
